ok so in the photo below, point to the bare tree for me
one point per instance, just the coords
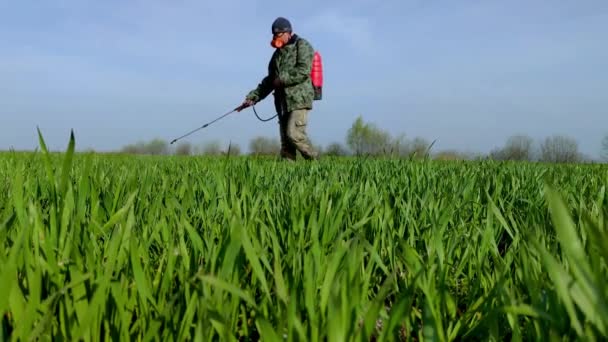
(335, 149)
(184, 149)
(451, 155)
(419, 147)
(212, 148)
(560, 149)
(264, 146)
(399, 146)
(133, 148)
(233, 149)
(155, 147)
(517, 147)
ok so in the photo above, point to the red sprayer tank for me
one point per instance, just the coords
(317, 75)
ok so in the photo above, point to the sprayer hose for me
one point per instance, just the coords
(259, 118)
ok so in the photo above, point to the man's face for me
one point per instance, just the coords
(280, 39)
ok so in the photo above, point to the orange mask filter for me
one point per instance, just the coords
(277, 43)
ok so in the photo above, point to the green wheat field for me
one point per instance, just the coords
(171, 248)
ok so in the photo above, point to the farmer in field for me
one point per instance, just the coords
(289, 76)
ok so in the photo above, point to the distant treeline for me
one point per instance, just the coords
(366, 139)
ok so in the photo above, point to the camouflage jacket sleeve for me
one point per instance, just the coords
(301, 71)
(262, 90)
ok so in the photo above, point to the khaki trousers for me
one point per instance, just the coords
(293, 135)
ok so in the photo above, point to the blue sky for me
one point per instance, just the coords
(467, 73)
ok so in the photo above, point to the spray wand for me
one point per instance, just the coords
(237, 109)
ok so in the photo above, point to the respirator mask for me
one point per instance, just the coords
(277, 41)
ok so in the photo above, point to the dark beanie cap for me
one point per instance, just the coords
(281, 25)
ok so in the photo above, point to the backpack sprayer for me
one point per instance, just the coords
(316, 76)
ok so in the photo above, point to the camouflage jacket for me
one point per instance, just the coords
(292, 64)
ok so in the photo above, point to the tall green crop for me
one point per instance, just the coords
(233, 248)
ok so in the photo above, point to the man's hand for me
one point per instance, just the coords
(245, 104)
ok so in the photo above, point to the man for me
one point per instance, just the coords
(289, 76)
